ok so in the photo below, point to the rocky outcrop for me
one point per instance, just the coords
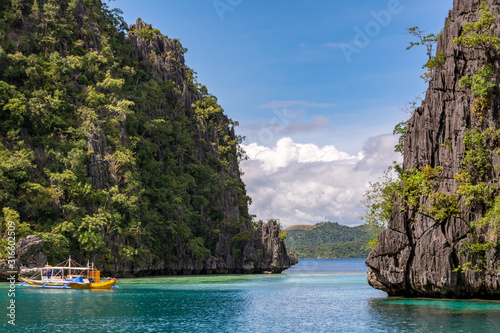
(164, 55)
(30, 251)
(265, 252)
(30, 254)
(416, 255)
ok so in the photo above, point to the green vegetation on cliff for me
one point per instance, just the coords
(107, 152)
(473, 194)
(327, 240)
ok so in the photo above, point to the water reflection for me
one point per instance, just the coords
(58, 308)
(186, 280)
(434, 315)
(154, 308)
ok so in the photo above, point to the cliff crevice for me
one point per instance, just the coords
(427, 257)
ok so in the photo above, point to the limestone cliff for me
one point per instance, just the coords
(417, 255)
(112, 151)
(261, 249)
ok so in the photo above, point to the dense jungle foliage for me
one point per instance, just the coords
(99, 154)
(328, 240)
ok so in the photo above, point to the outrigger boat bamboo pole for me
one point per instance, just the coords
(82, 277)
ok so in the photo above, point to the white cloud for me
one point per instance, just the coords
(307, 184)
(288, 152)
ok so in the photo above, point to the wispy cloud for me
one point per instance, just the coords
(296, 127)
(342, 44)
(288, 104)
(330, 44)
(288, 127)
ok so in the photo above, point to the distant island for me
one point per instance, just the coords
(327, 240)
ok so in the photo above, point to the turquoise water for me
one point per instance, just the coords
(329, 295)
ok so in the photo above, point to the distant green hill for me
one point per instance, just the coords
(327, 240)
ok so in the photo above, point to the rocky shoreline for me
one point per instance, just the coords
(265, 254)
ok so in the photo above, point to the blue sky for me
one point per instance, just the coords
(280, 68)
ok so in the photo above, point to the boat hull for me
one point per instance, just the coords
(72, 285)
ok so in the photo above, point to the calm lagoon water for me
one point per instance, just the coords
(329, 295)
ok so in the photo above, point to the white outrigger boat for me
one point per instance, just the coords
(69, 275)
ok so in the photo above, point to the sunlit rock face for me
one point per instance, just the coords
(416, 255)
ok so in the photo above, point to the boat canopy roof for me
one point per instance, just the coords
(71, 264)
(76, 268)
